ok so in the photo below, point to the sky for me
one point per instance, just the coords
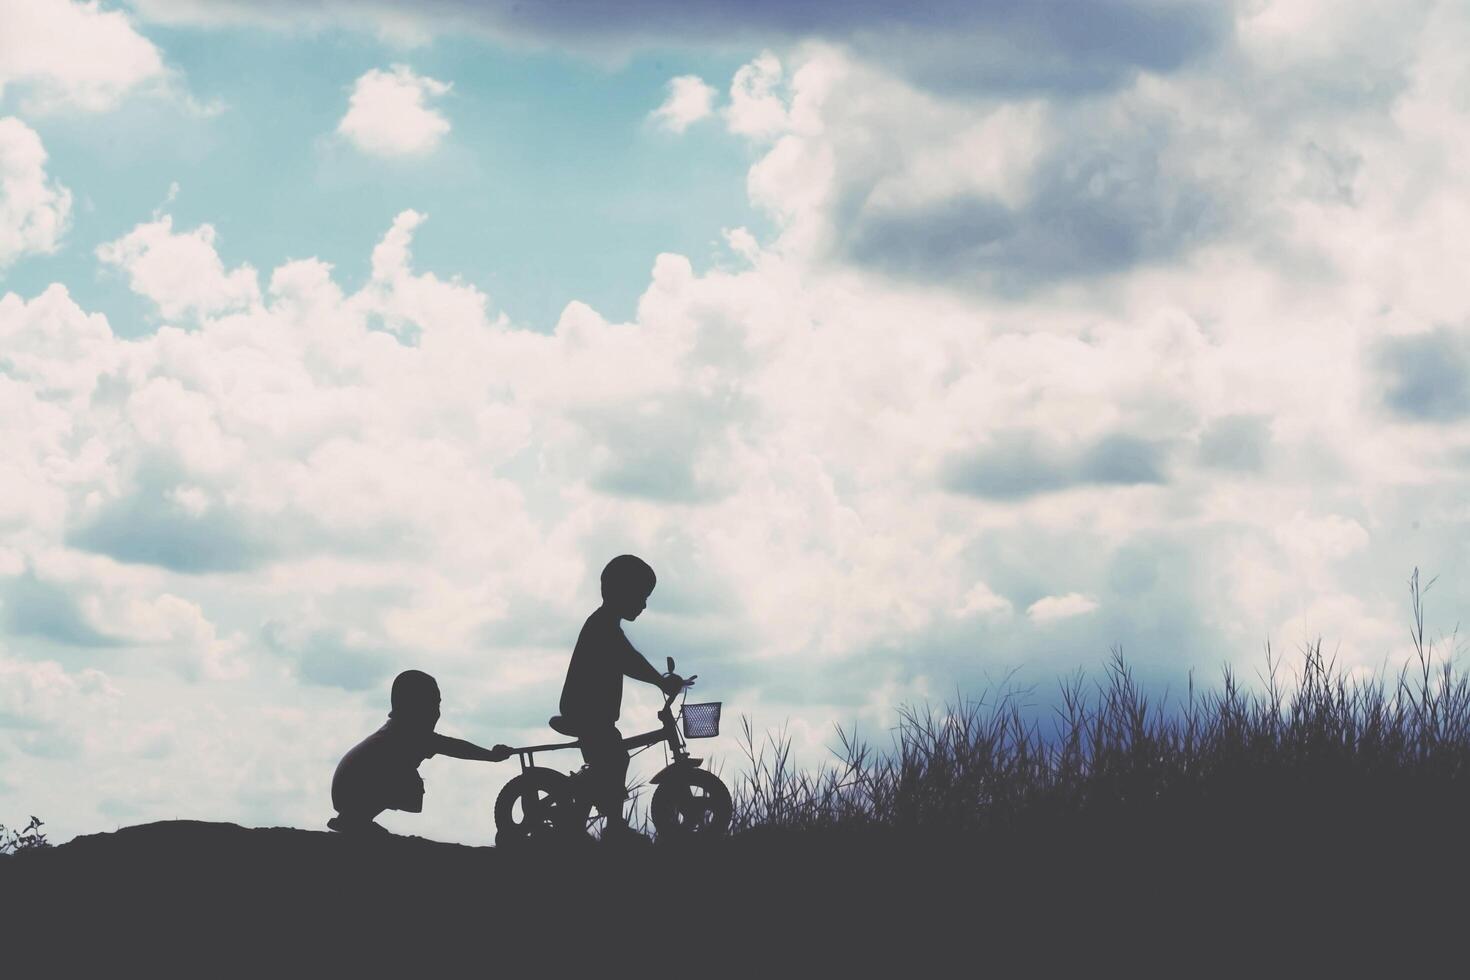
(916, 347)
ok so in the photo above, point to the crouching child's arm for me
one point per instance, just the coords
(458, 748)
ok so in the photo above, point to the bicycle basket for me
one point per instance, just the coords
(702, 720)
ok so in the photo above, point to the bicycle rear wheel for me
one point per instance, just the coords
(536, 805)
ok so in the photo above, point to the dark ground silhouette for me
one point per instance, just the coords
(1278, 880)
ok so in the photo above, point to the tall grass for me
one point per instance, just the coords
(1315, 737)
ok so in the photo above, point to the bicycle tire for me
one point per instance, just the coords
(546, 805)
(681, 813)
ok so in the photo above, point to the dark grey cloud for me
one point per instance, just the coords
(1016, 465)
(487, 719)
(651, 475)
(1099, 203)
(15, 719)
(1426, 377)
(147, 526)
(36, 607)
(657, 450)
(964, 45)
(327, 658)
(1007, 46)
(531, 622)
(49, 742)
(1235, 442)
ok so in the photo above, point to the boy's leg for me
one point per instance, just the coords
(604, 754)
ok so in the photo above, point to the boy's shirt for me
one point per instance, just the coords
(593, 692)
(385, 765)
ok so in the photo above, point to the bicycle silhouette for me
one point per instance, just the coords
(544, 804)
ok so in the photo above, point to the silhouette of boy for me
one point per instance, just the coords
(381, 772)
(592, 697)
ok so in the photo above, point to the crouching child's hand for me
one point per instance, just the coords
(500, 753)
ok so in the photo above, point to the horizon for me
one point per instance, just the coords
(911, 348)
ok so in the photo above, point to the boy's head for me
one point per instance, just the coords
(627, 582)
(415, 698)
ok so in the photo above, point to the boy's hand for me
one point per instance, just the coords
(671, 685)
(500, 753)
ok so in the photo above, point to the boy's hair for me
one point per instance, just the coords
(627, 574)
(413, 690)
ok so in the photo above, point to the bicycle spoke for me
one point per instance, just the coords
(694, 810)
(537, 809)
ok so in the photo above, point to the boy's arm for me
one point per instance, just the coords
(636, 666)
(458, 748)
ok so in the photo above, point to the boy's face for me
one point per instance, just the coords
(427, 711)
(630, 604)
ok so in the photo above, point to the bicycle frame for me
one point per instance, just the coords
(554, 801)
(667, 731)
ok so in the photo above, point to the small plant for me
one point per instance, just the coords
(27, 838)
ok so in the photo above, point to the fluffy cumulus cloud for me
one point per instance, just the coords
(388, 113)
(180, 272)
(1000, 195)
(689, 100)
(73, 54)
(1177, 363)
(1053, 607)
(34, 207)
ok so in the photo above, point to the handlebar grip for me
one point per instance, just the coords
(671, 664)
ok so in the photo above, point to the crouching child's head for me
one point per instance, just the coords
(415, 700)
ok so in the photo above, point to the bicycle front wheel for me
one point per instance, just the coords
(690, 803)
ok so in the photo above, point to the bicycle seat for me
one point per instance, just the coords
(560, 724)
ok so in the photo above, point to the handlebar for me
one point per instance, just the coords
(688, 683)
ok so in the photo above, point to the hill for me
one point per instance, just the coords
(201, 899)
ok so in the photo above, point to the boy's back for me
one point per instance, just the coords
(592, 695)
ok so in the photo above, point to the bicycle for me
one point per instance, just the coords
(545, 804)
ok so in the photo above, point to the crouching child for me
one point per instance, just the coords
(381, 772)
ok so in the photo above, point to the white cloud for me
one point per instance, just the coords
(44, 707)
(388, 113)
(757, 108)
(73, 54)
(181, 271)
(1051, 608)
(982, 601)
(182, 637)
(34, 209)
(689, 100)
(1181, 451)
